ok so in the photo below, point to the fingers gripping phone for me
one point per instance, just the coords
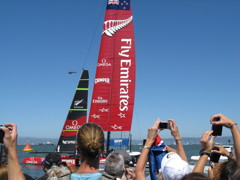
(217, 129)
(164, 125)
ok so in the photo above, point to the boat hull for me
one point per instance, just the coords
(64, 158)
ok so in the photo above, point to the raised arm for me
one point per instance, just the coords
(205, 152)
(175, 133)
(152, 134)
(228, 123)
(10, 142)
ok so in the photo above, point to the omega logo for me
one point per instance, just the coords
(74, 125)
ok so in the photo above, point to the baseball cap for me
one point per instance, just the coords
(52, 158)
(173, 167)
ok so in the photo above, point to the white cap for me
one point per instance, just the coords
(173, 167)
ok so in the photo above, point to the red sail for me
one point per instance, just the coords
(114, 86)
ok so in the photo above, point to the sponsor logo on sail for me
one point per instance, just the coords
(95, 116)
(73, 126)
(100, 100)
(112, 26)
(104, 110)
(102, 80)
(116, 127)
(121, 115)
(68, 142)
(104, 63)
(77, 103)
(125, 64)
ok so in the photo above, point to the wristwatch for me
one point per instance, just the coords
(202, 152)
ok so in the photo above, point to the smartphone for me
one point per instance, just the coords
(164, 125)
(214, 157)
(217, 129)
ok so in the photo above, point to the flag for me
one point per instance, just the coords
(118, 4)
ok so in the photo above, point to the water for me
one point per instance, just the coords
(36, 170)
(33, 170)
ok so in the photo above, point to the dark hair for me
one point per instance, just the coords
(195, 176)
(90, 140)
(229, 170)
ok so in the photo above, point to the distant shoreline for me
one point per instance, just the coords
(170, 141)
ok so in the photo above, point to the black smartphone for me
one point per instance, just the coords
(217, 129)
(214, 157)
(1, 135)
(163, 125)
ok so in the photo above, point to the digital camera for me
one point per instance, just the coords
(164, 125)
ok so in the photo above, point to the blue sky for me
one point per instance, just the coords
(187, 61)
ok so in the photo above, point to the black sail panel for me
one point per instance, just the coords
(76, 116)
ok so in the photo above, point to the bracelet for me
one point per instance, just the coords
(231, 125)
(178, 139)
(146, 147)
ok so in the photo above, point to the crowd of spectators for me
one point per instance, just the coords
(165, 162)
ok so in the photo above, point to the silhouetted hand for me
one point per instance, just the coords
(224, 120)
(130, 174)
(206, 141)
(174, 129)
(221, 150)
(10, 136)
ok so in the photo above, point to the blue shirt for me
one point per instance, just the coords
(95, 176)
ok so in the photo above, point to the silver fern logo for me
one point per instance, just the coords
(112, 26)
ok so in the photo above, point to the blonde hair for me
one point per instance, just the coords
(90, 140)
(3, 172)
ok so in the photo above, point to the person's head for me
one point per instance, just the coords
(3, 172)
(173, 167)
(228, 170)
(51, 159)
(195, 176)
(115, 164)
(126, 156)
(90, 141)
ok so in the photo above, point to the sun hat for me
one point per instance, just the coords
(52, 158)
(173, 167)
